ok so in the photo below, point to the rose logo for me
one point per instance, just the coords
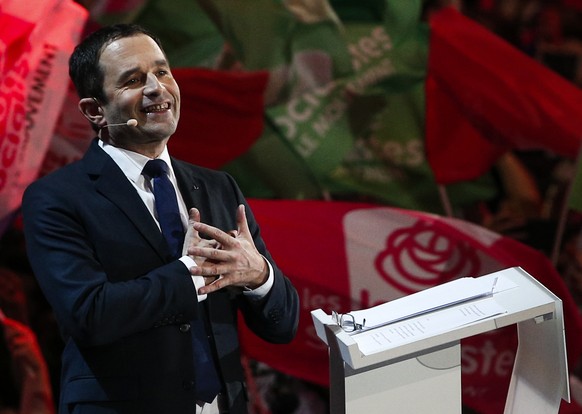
(420, 257)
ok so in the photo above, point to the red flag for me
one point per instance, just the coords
(221, 115)
(484, 97)
(455, 149)
(347, 256)
(35, 43)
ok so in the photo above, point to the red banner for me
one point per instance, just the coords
(484, 96)
(348, 256)
(36, 39)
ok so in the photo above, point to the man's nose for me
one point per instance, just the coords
(152, 85)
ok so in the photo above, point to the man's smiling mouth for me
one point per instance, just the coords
(157, 108)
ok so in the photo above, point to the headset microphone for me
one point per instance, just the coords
(130, 122)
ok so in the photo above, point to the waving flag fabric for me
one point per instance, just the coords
(358, 95)
(345, 102)
(343, 105)
(485, 97)
(33, 82)
(222, 116)
(348, 256)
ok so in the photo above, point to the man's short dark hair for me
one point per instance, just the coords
(84, 69)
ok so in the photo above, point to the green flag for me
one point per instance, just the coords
(361, 135)
(344, 104)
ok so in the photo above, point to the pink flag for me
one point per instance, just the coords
(36, 39)
(347, 256)
(484, 97)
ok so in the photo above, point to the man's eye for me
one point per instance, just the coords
(133, 82)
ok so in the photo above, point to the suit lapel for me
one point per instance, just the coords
(114, 185)
(193, 190)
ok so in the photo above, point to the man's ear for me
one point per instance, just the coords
(91, 109)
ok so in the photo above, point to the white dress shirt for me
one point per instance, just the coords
(132, 164)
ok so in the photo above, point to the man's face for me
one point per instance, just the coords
(139, 85)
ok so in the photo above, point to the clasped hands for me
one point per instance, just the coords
(226, 258)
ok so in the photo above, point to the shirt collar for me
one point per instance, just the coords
(132, 163)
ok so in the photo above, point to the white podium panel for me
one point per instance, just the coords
(395, 387)
(407, 356)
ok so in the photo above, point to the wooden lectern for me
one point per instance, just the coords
(383, 369)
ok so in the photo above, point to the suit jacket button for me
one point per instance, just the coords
(185, 327)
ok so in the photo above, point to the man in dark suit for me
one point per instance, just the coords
(131, 309)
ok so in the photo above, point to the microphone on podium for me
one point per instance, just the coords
(130, 122)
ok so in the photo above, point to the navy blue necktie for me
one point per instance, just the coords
(166, 205)
(207, 382)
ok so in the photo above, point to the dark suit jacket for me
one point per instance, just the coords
(123, 305)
